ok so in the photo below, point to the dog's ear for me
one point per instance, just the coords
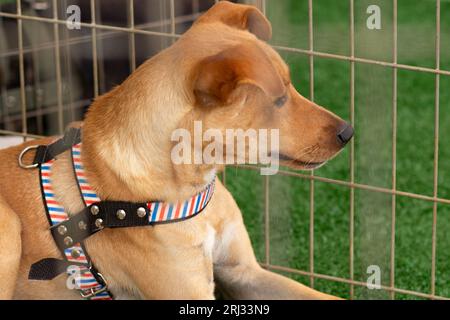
(239, 16)
(216, 79)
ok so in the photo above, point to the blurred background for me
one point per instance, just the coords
(384, 201)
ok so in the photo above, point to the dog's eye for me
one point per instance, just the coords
(279, 102)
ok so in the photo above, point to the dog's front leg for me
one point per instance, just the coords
(10, 249)
(255, 283)
(239, 276)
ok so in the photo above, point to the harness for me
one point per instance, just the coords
(69, 231)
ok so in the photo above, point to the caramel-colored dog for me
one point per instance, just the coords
(220, 72)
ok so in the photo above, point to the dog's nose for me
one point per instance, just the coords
(345, 133)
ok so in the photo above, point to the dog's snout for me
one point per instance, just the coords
(345, 133)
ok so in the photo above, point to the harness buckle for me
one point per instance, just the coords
(93, 292)
(21, 155)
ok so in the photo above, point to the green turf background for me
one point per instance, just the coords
(290, 196)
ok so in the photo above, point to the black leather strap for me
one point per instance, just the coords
(100, 215)
(49, 268)
(46, 153)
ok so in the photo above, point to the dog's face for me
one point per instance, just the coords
(247, 85)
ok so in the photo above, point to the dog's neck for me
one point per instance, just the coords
(141, 177)
(127, 144)
(170, 184)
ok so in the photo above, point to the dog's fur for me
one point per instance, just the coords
(220, 72)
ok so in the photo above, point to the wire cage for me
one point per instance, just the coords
(372, 207)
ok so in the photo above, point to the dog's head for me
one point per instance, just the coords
(222, 73)
(245, 84)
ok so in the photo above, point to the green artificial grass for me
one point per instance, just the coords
(290, 196)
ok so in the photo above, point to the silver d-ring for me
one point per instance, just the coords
(24, 151)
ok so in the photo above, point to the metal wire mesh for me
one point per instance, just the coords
(101, 31)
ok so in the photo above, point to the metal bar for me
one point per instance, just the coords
(35, 65)
(20, 134)
(436, 147)
(362, 60)
(196, 6)
(349, 281)
(352, 185)
(4, 88)
(68, 64)
(224, 176)
(58, 69)
(51, 109)
(94, 50)
(311, 183)
(132, 37)
(352, 148)
(267, 218)
(162, 27)
(394, 149)
(262, 6)
(172, 18)
(103, 35)
(89, 25)
(23, 101)
(101, 79)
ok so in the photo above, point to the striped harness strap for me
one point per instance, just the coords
(69, 231)
(160, 211)
(91, 284)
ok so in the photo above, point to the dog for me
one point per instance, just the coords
(221, 72)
